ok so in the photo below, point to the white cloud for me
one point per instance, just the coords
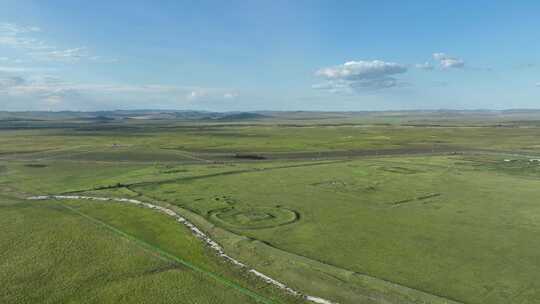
(21, 37)
(54, 99)
(12, 69)
(196, 94)
(447, 62)
(334, 86)
(16, 36)
(15, 29)
(356, 70)
(12, 81)
(360, 76)
(538, 84)
(425, 66)
(69, 55)
(230, 95)
(48, 91)
(73, 55)
(101, 59)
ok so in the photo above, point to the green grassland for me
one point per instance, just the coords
(355, 209)
(167, 144)
(438, 222)
(51, 254)
(73, 252)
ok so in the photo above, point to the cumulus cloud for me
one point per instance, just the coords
(358, 70)
(360, 76)
(447, 62)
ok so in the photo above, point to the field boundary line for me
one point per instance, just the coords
(168, 257)
(196, 177)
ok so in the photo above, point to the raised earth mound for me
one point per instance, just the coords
(254, 217)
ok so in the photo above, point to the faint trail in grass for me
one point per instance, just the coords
(172, 180)
(169, 257)
(190, 155)
(414, 199)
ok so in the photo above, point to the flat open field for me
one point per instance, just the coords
(64, 253)
(410, 208)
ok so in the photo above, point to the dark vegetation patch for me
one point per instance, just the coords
(419, 198)
(108, 128)
(25, 125)
(99, 119)
(344, 154)
(401, 170)
(79, 133)
(126, 155)
(224, 133)
(226, 199)
(113, 186)
(35, 165)
(171, 171)
(22, 152)
(249, 156)
(241, 116)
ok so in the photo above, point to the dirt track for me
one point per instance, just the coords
(229, 156)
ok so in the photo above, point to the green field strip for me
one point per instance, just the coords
(197, 177)
(165, 255)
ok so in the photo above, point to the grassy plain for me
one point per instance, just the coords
(52, 254)
(357, 209)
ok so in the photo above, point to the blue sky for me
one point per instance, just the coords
(269, 55)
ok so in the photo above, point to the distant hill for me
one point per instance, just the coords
(411, 116)
(242, 116)
(99, 118)
(106, 116)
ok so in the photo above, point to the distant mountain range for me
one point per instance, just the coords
(105, 116)
(116, 115)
